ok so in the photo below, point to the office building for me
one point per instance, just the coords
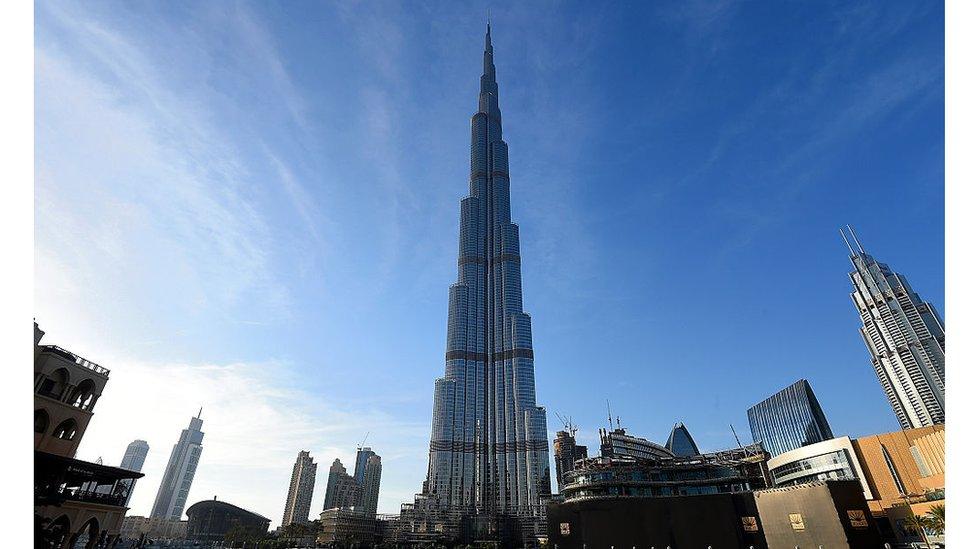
(680, 442)
(905, 337)
(133, 460)
(789, 419)
(299, 500)
(75, 502)
(489, 453)
(342, 489)
(178, 475)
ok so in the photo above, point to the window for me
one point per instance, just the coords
(66, 430)
(41, 421)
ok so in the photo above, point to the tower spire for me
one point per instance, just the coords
(844, 236)
(856, 241)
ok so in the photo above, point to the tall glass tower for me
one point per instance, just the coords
(789, 419)
(178, 477)
(906, 339)
(488, 450)
(134, 458)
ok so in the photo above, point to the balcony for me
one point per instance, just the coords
(85, 363)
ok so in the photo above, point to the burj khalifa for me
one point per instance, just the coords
(489, 453)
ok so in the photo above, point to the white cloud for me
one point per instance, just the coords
(255, 419)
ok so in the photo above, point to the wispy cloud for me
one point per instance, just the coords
(256, 419)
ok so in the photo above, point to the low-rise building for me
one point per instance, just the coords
(736, 470)
(901, 473)
(139, 527)
(347, 526)
(822, 514)
(75, 501)
(906, 472)
(213, 520)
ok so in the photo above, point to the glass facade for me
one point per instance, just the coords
(906, 339)
(488, 450)
(680, 442)
(180, 469)
(788, 420)
(834, 465)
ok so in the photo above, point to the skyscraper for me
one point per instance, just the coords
(680, 442)
(488, 451)
(133, 460)
(906, 339)
(299, 501)
(342, 489)
(371, 485)
(789, 419)
(362, 456)
(180, 469)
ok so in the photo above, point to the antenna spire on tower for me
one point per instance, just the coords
(856, 241)
(844, 236)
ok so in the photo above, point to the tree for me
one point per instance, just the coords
(918, 524)
(936, 518)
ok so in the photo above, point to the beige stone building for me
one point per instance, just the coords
(76, 503)
(906, 473)
(135, 527)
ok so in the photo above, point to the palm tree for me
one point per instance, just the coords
(936, 518)
(918, 525)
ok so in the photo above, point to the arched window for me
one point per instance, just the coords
(83, 395)
(66, 430)
(41, 421)
(55, 384)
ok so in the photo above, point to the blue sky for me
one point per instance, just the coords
(254, 208)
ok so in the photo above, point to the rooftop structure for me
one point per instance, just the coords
(680, 442)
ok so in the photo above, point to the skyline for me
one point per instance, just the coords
(548, 200)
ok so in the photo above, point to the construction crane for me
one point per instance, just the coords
(363, 443)
(568, 424)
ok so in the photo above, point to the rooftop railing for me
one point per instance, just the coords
(64, 353)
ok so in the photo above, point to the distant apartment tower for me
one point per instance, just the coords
(362, 457)
(178, 477)
(371, 485)
(299, 501)
(680, 442)
(789, 419)
(566, 453)
(906, 339)
(134, 458)
(342, 489)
